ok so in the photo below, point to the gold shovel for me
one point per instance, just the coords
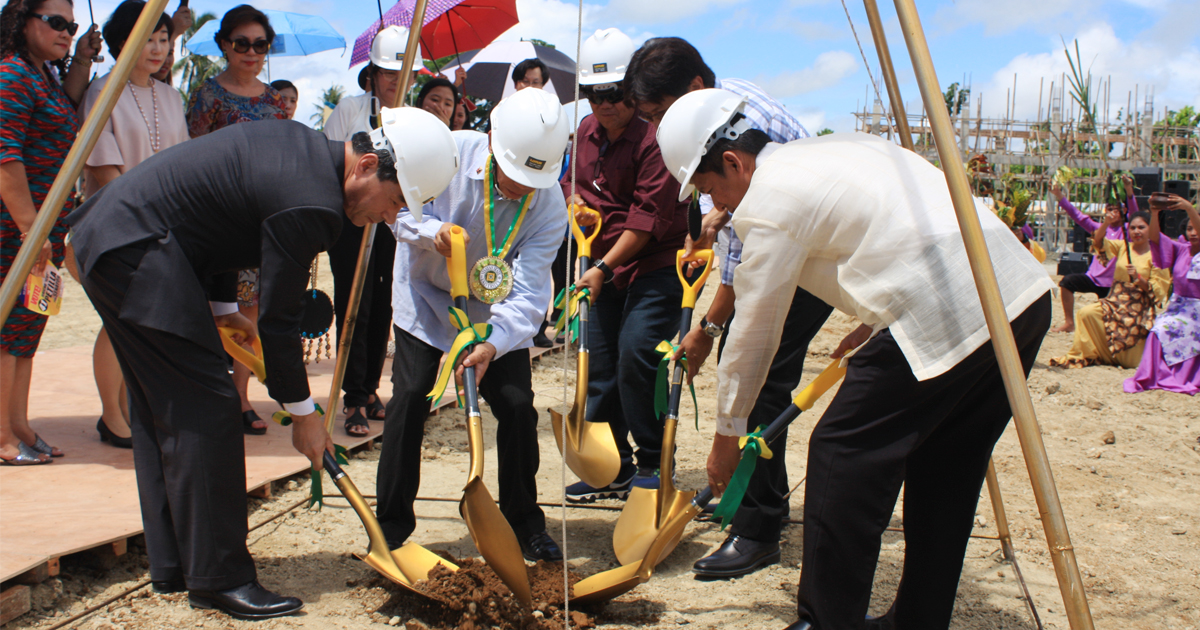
(646, 510)
(589, 447)
(489, 529)
(404, 566)
(615, 582)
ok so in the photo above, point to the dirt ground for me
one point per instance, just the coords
(1132, 507)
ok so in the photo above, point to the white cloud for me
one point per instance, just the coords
(1009, 15)
(662, 11)
(1172, 70)
(828, 70)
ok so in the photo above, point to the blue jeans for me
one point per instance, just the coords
(624, 327)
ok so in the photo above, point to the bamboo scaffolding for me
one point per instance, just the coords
(368, 238)
(1058, 538)
(80, 150)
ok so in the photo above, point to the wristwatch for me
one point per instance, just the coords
(604, 269)
(711, 329)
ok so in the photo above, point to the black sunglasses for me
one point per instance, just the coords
(242, 45)
(615, 95)
(57, 22)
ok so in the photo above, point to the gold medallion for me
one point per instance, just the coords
(491, 279)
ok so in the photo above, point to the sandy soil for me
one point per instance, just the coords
(1131, 507)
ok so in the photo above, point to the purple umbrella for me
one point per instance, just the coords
(399, 15)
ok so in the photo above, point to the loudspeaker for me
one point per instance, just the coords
(1074, 262)
(1181, 187)
(1081, 241)
(1173, 223)
(1146, 180)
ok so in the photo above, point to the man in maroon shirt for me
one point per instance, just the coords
(635, 293)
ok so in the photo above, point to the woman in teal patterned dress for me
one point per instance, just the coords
(236, 96)
(38, 96)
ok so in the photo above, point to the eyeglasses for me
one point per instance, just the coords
(613, 95)
(57, 22)
(242, 45)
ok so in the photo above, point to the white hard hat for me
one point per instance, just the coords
(690, 127)
(529, 137)
(425, 153)
(387, 50)
(604, 57)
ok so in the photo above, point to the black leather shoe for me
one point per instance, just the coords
(166, 587)
(800, 625)
(541, 546)
(249, 601)
(736, 557)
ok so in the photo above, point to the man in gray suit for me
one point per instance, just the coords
(159, 250)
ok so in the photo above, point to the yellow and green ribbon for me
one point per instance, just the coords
(753, 447)
(567, 301)
(489, 209)
(662, 386)
(468, 335)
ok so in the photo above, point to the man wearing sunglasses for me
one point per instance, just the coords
(634, 290)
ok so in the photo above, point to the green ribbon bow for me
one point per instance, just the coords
(567, 302)
(468, 335)
(317, 496)
(753, 446)
(662, 386)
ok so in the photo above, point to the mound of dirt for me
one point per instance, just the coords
(474, 598)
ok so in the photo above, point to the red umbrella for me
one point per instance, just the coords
(451, 26)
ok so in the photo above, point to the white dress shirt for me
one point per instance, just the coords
(421, 285)
(869, 228)
(352, 114)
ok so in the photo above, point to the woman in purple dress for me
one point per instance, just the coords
(1171, 361)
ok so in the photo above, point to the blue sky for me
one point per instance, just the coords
(803, 52)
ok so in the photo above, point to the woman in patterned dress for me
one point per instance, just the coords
(236, 96)
(1113, 331)
(38, 124)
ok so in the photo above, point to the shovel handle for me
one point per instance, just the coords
(826, 379)
(331, 466)
(692, 290)
(253, 360)
(456, 264)
(585, 242)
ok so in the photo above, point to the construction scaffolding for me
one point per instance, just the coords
(1031, 151)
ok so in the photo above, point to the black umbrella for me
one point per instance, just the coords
(489, 71)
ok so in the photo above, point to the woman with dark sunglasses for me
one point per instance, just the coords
(236, 96)
(38, 124)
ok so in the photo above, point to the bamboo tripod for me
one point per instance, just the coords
(1070, 583)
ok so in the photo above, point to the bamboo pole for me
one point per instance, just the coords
(80, 150)
(889, 74)
(1058, 538)
(364, 248)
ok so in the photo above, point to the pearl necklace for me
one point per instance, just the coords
(155, 138)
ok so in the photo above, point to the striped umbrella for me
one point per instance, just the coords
(451, 26)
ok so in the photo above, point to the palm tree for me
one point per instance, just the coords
(196, 69)
(329, 100)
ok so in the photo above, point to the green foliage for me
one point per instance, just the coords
(825, 132)
(1081, 87)
(540, 42)
(329, 98)
(956, 98)
(196, 69)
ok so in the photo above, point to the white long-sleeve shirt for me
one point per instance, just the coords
(352, 114)
(869, 228)
(421, 286)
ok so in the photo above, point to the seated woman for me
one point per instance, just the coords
(1113, 331)
(1171, 361)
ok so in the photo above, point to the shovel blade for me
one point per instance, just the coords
(607, 584)
(495, 540)
(406, 565)
(636, 526)
(591, 451)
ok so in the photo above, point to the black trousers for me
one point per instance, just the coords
(760, 516)
(883, 429)
(1082, 283)
(507, 386)
(368, 348)
(189, 453)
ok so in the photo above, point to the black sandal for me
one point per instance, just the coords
(248, 420)
(376, 410)
(356, 419)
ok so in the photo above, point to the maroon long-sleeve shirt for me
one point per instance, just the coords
(627, 182)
